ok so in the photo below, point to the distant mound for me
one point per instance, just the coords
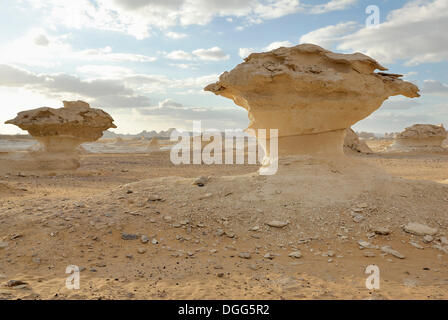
(420, 138)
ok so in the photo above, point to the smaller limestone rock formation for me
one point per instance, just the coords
(420, 138)
(154, 144)
(61, 131)
(354, 144)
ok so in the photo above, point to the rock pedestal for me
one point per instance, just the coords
(61, 131)
(311, 95)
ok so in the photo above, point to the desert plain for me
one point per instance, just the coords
(138, 228)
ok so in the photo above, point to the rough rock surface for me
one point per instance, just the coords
(311, 95)
(61, 131)
(420, 137)
(353, 143)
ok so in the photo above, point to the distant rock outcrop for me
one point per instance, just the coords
(61, 131)
(154, 145)
(311, 95)
(420, 138)
(353, 143)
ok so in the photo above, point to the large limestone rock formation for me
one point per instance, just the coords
(311, 95)
(61, 131)
(352, 143)
(420, 138)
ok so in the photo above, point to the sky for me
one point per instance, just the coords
(146, 62)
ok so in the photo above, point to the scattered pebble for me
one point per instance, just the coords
(129, 236)
(15, 283)
(201, 181)
(277, 224)
(382, 231)
(244, 255)
(369, 254)
(419, 229)
(269, 256)
(154, 198)
(395, 253)
(364, 244)
(295, 254)
(416, 245)
(144, 239)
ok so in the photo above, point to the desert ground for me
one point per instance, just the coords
(139, 227)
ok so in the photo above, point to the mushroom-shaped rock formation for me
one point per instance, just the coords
(352, 143)
(311, 95)
(420, 138)
(154, 144)
(61, 131)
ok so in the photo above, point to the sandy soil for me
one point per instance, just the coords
(213, 242)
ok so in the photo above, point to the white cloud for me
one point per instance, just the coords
(138, 17)
(399, 103)
(435, 87)
(176, 35)
(38, 48)
(103, 92)
(106, 55)
(212, 117)
(213, 54)
(115, 87)
(103, 71)
(328, 36)
(415, 34)
(244, 52)
(183, 65)
(332, 5)
(150, 83)
(277, 44)
(179, 55)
